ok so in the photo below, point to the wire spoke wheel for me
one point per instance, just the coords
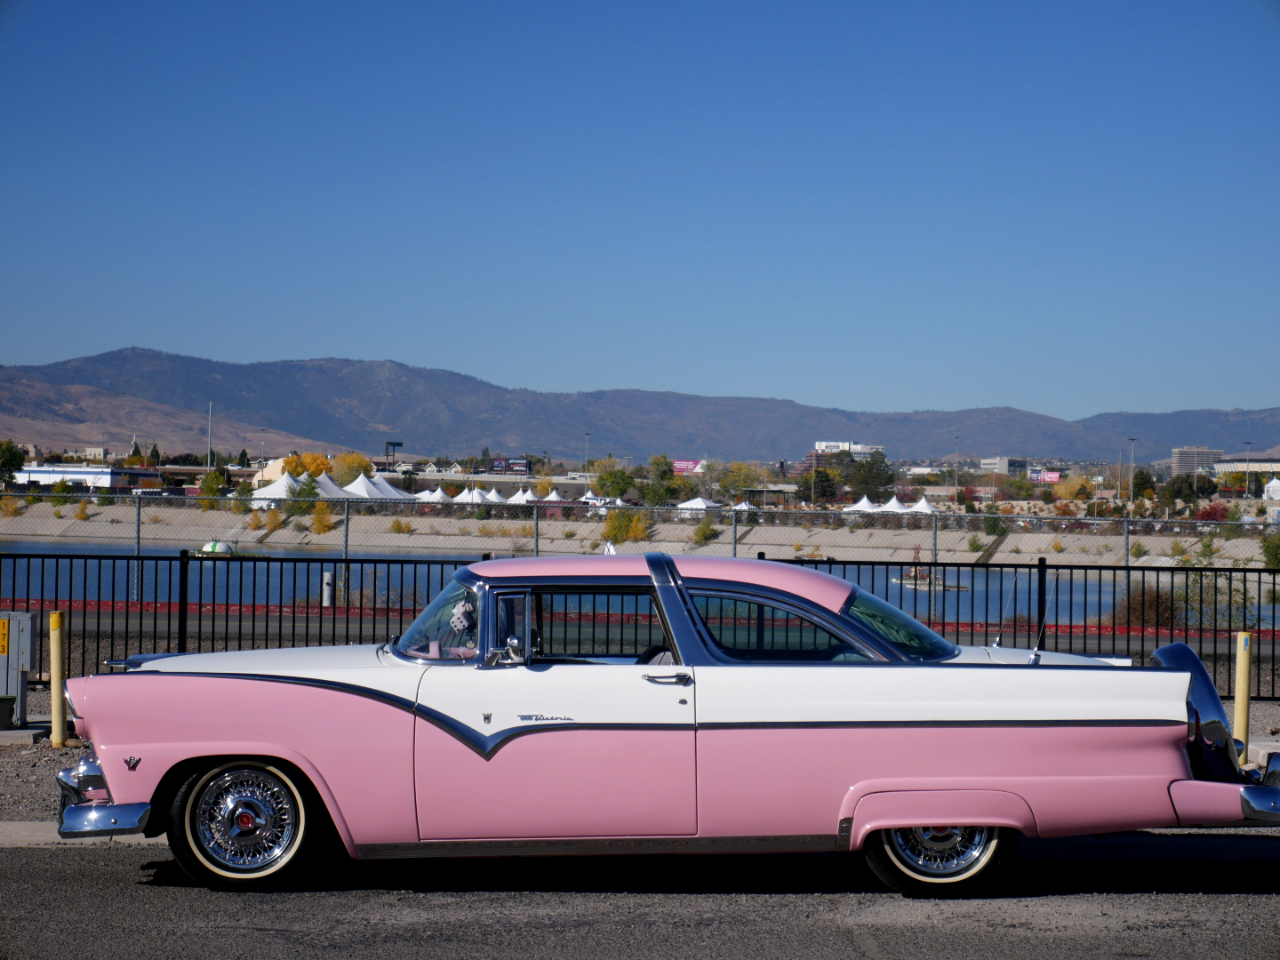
(240, 823)
(937, 860)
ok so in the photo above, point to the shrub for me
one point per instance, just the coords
(299, 526)
(154, 518)
(704, 532)
(1064, 508)
(33, 498)
(1271, 551)
(58, 514)
(82, 510)
(59, 494)
(401, 526)
(242, 503)
(1138, 551)
(1150, 606)
(274, 520)
(1207, 550)
(255, 521)
(321, 518)
(975, 544)
(1216, 511)
(1058, 547)
(1177, 549)
(992, 527)
(105, 500)
(11, 507)
(638, 530)
(570, 534)
(617, 526)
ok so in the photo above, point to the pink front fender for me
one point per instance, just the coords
(926, 808)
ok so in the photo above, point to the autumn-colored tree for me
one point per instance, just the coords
(613, 483)
(541, 488)
(1071, 488)
(296, 464)
(347, 466)
(738, 477)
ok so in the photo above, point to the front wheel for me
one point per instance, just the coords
(939, 861)
(238, 824)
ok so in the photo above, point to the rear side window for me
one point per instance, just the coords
(617, 626)
(760, 632)
(908, 635)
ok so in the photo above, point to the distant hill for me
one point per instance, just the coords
(362, 404)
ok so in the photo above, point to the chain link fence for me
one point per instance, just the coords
(147, 524)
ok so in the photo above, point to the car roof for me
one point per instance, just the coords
(820, 588)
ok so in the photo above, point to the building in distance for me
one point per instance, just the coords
(1005, 466)
(817, 457)
(1190, 460)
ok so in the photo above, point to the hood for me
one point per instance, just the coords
(1019, 656)
(285, 662)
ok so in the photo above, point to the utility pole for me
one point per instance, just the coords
(586, 440)
(208, 463)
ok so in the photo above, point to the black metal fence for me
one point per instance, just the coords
(118, 606)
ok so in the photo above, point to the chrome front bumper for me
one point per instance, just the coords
(103, 819)
(87, 810)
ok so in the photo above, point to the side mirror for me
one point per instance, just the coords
(515, 650)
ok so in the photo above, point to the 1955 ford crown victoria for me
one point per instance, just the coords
(641, 704)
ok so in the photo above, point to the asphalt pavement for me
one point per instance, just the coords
(1155, 894)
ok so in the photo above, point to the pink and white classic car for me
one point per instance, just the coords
(644, 703)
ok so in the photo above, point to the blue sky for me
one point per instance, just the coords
(1068, 208)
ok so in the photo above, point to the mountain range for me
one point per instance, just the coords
(329, 404)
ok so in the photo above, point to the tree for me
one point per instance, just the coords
(347, 466)
(243, 460)
(661, 469)
(614, 483)
(303, 498)
(738, 477)
(11, 461)
(1144, 484)
(210, 486)
(872, 477)
(242, 503)
(154, 455)
(135, 451)
(296, 464)
(821, 485)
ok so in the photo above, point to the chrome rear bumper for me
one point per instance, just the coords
(103, 819)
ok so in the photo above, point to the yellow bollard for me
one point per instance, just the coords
(1241, 726)
(57, 676)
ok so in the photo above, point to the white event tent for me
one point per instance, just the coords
(862, 506)
(553, 497)
(363, 488)
(893, 506)
(522, 496)
(470, 496)
(691, 507)
(922, 506)
(329, 490)
(433, 496)
(1272, 490)
(387, 491)
(493, 496)
(279, 490)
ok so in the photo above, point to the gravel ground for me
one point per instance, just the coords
(38, 701)
(27, 787)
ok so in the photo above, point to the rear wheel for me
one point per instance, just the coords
(239, 824)
(939, 861)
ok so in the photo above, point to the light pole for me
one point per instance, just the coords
(1132, 492)
(955, 492)
(586, 441)
(1247, 465)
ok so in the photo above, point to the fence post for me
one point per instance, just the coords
(1126, 541)
(137, 545)
(1042, 582)
(735, 532)
(935, 538)
(57, 676)
(1243, 692)
(345, 584)
(184, 569)
(535, 530)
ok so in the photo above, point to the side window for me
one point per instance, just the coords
(512, 619)
(611, 627)
(754, 631)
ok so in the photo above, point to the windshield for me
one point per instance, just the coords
(904, 633)
(446, 630)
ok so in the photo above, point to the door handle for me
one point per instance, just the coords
(683, 679)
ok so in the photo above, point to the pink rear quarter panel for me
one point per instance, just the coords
(914, 808)
(801, 782)
(357, 751)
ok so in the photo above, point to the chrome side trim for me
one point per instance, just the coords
(597, 846)
(103, 820)
(86, 775)
(1260, 803)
